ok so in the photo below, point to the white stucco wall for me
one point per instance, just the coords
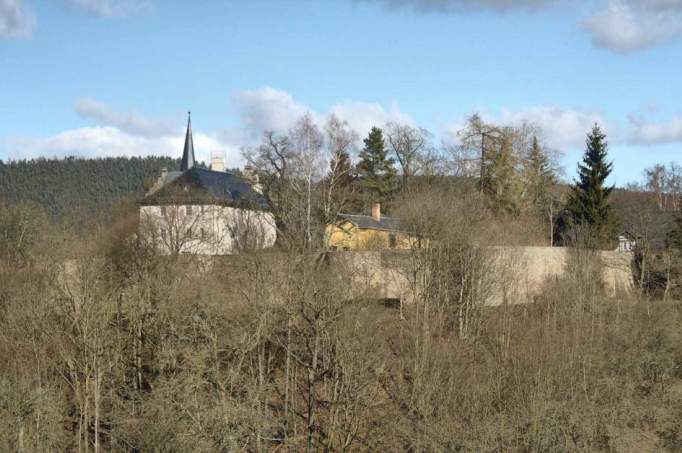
(206, 229)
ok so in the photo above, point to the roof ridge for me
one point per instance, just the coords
(368, 215)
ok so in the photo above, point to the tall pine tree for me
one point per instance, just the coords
(376, 171)
(588, 203)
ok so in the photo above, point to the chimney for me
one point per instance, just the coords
(217, 162)
(376, 212)
(252, 177)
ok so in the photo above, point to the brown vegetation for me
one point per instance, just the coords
(116, 349)
(107, 346)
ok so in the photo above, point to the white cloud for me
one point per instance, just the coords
(16, 19)
(621, 26)
(649, 133)
(110, 8)
(130, 122)
(120, 134)
(263, 109)
(270, 109)
(563, 128)
(116, 133)
(108, 141)
(457, 6)
(267, 108)
(626, 26)
(361, 116)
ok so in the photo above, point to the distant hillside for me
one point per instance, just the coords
(79, 185)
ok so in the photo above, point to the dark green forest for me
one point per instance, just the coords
(91, 186)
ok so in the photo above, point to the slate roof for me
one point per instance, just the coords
(198, 185)
(193, 185)
(368, 222)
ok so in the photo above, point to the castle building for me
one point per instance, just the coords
(205, 211)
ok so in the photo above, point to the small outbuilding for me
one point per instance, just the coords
(369, 232)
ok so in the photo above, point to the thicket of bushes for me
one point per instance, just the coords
(106, 347)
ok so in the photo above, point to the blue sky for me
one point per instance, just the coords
(115, 77)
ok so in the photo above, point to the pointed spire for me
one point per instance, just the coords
(188, 152)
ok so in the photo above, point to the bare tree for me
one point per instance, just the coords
(307, 142)
(665, 182)
(338, 183)
(673, 186)
(478, 140)
(290, 167)
(410, 145)
(655, 182)
(272, 161)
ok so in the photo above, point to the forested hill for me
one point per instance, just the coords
(71, 185)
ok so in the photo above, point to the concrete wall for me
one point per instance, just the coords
(517, 275)
(520, 272)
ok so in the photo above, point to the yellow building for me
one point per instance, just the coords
(364, 232)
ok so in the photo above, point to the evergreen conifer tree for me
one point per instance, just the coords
(588, 204)
(376, 171)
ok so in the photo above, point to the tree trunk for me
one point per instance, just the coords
(668, 266)
(311, 392)
(86, 416)
(98, 379)
(287, 379)
(138, 355)
(20, 440)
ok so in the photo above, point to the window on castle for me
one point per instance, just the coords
(163, 211)
(203, 234)
(392, 242)
(188, 210)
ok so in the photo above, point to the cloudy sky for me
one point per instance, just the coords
(116, 77)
